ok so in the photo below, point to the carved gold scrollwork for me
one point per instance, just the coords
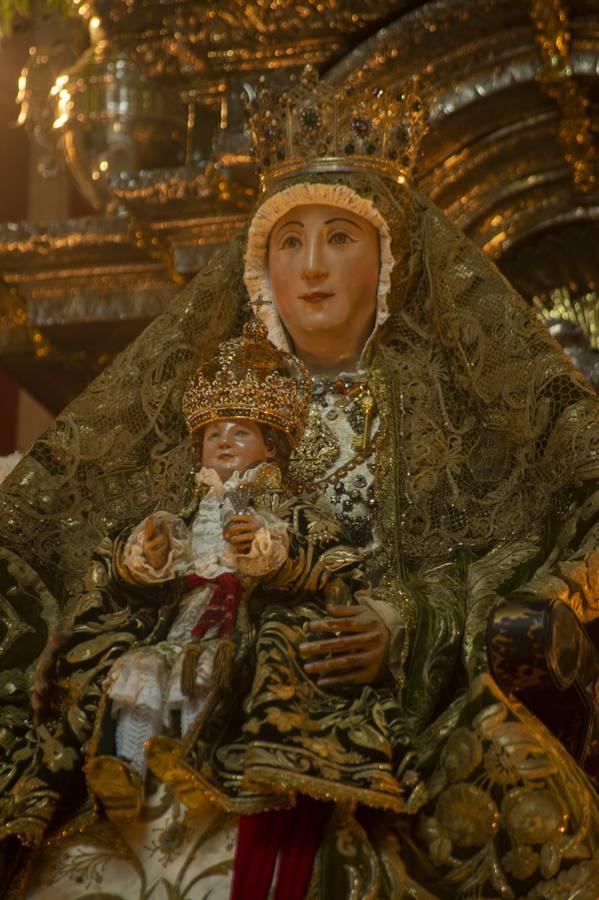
(556, 78)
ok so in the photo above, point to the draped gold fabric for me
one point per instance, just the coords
(486, 466)
(476, 384)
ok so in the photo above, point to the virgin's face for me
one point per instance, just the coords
(233, 445)
(323, 264)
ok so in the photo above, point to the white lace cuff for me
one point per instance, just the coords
(269, 549)
(179, 554)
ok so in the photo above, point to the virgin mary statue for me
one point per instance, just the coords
(459, 450)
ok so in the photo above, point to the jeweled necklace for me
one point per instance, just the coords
(354, 394)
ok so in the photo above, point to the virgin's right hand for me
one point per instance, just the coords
(156, 543)
(45, 672)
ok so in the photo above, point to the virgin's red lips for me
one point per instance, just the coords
(316, 295)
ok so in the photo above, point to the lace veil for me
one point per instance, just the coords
(485, 419)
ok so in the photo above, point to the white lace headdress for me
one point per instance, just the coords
(268, 214)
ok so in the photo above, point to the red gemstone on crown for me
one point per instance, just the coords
(361, 127)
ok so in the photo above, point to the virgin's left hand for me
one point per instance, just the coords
(358, 653)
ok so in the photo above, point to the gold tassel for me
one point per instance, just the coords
(223, 664)
(189, 668)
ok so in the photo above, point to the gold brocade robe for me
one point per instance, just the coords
(486, 488)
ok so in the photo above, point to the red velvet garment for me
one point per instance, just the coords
(292, 835)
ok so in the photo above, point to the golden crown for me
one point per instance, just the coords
(313, 126)
(249, 378)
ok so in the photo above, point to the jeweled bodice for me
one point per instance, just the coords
(336, 458)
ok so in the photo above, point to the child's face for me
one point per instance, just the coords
(233, 445)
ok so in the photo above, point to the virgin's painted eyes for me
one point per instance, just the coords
(242, 432)
(291, 242)
(340, 237)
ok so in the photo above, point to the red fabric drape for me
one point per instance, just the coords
(291, 835)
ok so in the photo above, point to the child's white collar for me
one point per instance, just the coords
(212, 479)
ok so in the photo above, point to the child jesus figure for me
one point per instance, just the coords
(245, 411)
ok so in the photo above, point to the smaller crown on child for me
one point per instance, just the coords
(316, 127)
(249, 378)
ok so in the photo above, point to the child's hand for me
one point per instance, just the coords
(156, 543)
(240, 531)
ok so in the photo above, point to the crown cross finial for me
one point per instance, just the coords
(313, 126)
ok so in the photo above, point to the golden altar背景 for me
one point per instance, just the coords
(473, 479)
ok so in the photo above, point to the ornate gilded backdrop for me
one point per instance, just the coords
(149, 121)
